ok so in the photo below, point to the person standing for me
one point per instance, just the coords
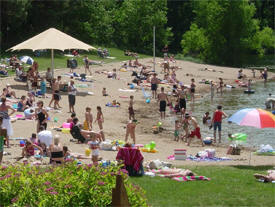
(88, 123)
(192, 90)
(162, 98)
(71, 95)
(100, 120)
(217, 121)
(154, 85)
(130, 130)
(182, 98)
(131, 108)
(6, 123)
(212, 89)
(55, 87)
(196, 129)
(87, 65)
(41, 115)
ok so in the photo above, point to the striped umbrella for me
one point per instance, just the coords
(258, 118)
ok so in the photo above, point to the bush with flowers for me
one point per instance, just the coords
(64, 185)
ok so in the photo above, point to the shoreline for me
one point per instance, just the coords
(116, 118)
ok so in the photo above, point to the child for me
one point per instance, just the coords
(131, 108)
(100, 120)
(94, 146)
(104, 92)
(43, 87)
(114, 74)
(253, 73)
(21, 106)
(56, 98)
(87, 125)
(28, 150)
(33, 139)
(177, 128)
(66, 152)
(130, 130)
(206, 119)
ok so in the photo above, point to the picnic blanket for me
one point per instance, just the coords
(206, 159)
(190, 178)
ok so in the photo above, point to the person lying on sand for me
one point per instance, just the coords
(267, 178)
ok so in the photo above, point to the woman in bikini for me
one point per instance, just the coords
(100, 120)
(6, 123)
(41, 115)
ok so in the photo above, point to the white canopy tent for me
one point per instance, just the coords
(52, 39)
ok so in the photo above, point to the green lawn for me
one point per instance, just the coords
(229, 186)
(60, 61)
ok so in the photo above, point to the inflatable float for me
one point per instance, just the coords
(249, 91)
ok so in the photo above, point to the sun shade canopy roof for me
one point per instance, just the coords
(52, 39)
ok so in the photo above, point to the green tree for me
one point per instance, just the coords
(230, 31)
(13, 21)
(134, 23)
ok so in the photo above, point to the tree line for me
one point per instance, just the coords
(216, 31)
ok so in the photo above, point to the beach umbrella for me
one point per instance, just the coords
(52, 39)
(26, 59)
(258, 118)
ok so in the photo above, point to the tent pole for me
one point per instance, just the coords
(52, 54)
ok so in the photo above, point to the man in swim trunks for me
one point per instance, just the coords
(196, 132)
(3, 135)
(162, 98)
(182, 97)
(154, 85)
(217, 122)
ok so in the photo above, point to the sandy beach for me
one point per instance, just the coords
(146, 113)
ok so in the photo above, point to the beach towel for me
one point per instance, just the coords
(126, 90)
(206, 159)
(190, 178)
(111, 105)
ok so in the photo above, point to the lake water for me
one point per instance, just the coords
(233, 100)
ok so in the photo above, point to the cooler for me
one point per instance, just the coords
(180, 154)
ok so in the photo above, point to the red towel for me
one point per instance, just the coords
(131, 157)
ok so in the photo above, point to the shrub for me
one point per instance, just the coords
(66, 185)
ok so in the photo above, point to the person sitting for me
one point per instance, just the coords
(22, 106)
(76, 131)
(30, 99)
(56, 151)
(34, 139)
(132, 159)
(8, 93)
(29, 149)
(3, 72)
(29, 113)
(49, 76)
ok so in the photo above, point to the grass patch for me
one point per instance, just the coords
(188, 58)
(60, 61)
(229, 186)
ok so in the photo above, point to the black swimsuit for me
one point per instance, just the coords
(41, 117)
